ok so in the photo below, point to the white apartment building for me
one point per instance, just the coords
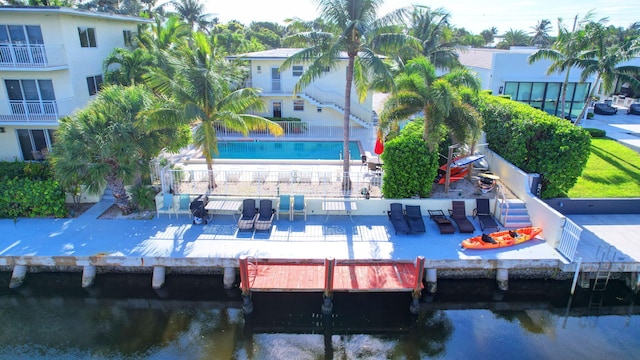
(51, 64)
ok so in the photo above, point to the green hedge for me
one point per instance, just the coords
(31, 198)
(596, 133)
(536, 142)
(409, 166)
(25, 170)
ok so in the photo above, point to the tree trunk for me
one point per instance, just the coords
(212, 177)
(346, 179)
(586, 103)
(120, 194)
(563, 96)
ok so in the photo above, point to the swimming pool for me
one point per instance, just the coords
(280, 150)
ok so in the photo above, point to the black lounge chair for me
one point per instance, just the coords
(249, 215)
(459, 216)
(265, 215)
(634, 109)
(485, 217)
(398, 219)
(604, 109)
(445, 225)
(414, 218)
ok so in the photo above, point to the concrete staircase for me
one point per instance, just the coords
(336, 107)
(513, 214)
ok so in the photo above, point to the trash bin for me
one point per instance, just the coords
(198, 209)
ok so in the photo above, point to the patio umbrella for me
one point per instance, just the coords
(379, 148)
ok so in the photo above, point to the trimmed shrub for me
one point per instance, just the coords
(536, 142)
(25, 170)
(31, 198)
(596, 133)
(409, 166)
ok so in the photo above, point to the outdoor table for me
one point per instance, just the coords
(333, 206)
(224, 207)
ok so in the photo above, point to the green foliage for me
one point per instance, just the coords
(409, 166)
(25, 170)
(536, 142)
(143, 197)
(31, 198)
(596, 133)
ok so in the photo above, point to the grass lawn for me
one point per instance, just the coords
(612, 171)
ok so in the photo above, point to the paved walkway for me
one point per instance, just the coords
(622, 127)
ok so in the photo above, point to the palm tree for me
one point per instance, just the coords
(540, 34)
(431, 28)
(203, 90)
(359, 35)
(438, 98)
(488, 34)
(193, 13)
(564, 53)
(605, 60)
(105, 143)
(514, 38)
(132, 64)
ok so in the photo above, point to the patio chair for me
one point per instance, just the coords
(398, 218)
(444, 225)
(604, 109)
(414, 218)
(485, 217)
(249, 214)
(167, 205)
(299, 206)
(459, 216)
(183, 205)
(284, 207)
(265, 215)
(634, 109)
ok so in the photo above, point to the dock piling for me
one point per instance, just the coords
(229, 277)
(157, 281)
(247, 305)
(88, 276)
(329, 268)
(414, 308)
(432, 281)
(18, 275)
(502, 277)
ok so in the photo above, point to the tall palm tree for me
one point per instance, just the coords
(360, 36)
(419, 89)
(606, 59)
(105, 143)
(193, 13)
(564, 53)
(513, 38)
(540, 34)
(431, 29)
(202, 90)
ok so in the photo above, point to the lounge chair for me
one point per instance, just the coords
(444, 225)
(414, 218)
(265, 215)
(398, 218)
(485, 217)
(299, 206)
(634, 109)
(285, 207)
(459, 216)
(249, 215)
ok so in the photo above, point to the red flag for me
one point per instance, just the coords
(379, 148)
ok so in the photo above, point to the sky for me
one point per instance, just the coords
(473, 15)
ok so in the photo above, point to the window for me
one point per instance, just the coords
(548, 96)
(34, 142)
(94, 83)
(297, 70)
(30, 96)
(128, 38)
(298, 105)
(326, 69)
(87, 37)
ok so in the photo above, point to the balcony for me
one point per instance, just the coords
(16, 112)
(20, 57)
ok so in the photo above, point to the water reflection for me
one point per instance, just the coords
(122, 318)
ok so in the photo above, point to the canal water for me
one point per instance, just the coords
(52, 317)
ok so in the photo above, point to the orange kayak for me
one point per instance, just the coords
(501, 238)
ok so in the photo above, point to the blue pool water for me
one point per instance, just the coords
(277, 150)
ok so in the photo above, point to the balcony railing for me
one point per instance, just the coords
(35, 111)
(35, 56)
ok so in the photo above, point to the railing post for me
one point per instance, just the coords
(247, 305)
(417, 287)
(329, 267)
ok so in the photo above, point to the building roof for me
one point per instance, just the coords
(69, 11)
(273, 54)
(482, 58)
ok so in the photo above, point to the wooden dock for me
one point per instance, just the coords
(347, 277)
